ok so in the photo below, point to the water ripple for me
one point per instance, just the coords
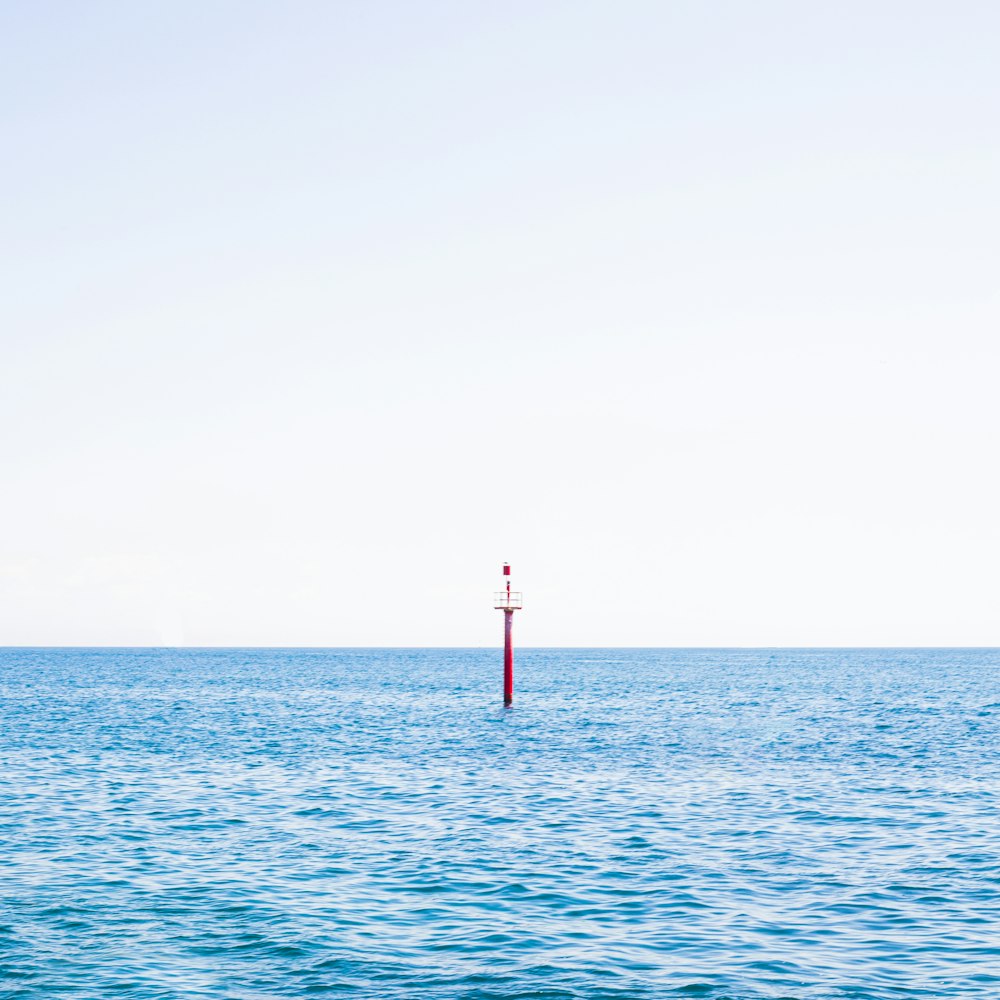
(263, 824)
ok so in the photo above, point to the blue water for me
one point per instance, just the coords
(367, 823)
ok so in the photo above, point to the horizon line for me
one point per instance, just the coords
(490, 647)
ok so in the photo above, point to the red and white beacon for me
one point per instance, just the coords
(508, 601)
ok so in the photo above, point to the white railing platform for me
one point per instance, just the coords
(504, 599)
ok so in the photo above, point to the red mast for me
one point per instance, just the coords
(508, 601)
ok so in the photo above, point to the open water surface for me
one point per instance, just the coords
(369, 823)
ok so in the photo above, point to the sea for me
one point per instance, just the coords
(255, 824)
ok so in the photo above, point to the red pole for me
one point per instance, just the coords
(508, 657)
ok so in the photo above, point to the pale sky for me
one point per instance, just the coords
(314, 313)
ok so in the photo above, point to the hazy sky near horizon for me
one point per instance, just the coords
(313, 313)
